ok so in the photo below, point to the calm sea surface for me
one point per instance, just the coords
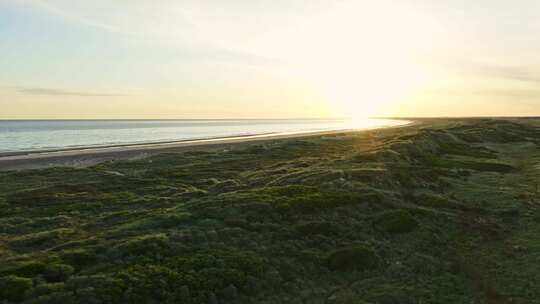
(28, 135)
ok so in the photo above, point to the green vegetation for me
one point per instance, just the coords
(444, 211)
(13, 288)
(396, 222)
(352, 258)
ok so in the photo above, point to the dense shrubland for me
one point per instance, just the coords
(439, 212)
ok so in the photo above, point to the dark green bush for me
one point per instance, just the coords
(327, 199)
(148, 283)
(42, 238)
(58, 272)
(433, 200)
(77, 257)
(290, 190)
(47, 288)
(357, 257)
(317, 227)
(103, 287)
(30, 269)
(13, 288)
(399, 221)
(469, 165)
(151, 244)
(201, 272)
(388, 294)
(466, 150)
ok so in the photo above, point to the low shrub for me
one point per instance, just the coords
(77, 257)
(357, 257)
(30, 269)
(316, 227)
(13, 288)
(42, 238)
(58, 272)
(433, 200)
(328, 199)
(388, 294)
(199, 273)
(47, 288)
(143, 245)
(399, 221)
(103, 287)
(469, 165)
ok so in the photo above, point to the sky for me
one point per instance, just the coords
(66, 59)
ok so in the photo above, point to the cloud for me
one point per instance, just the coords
(513, 93)
(55, 92)
(66, 14)
(525, 97)
(183, 27)
(518, 73)
(507, 71)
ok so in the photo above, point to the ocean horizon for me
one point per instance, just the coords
(35, 135)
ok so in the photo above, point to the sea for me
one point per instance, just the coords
(39, 135)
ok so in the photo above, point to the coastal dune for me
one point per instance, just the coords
(438, 211)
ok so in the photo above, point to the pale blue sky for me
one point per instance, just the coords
(296, 58)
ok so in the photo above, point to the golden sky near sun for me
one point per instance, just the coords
(275, 59)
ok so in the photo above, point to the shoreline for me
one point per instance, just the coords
(89, 156)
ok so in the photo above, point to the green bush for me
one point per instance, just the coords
(316, 227)
(30, 269)
(58, 272)
(118, 197)
(399, 221)
(47, 288)
(290, 190)
(388, 294)
(150, 283)
(43, 238)
(13, 288)
(353, 258)
(150, 244)
(77, 257)
(328, 199)
(103, 287)
(466, 150)
(433, 200)
(470, 165)
(211, 270)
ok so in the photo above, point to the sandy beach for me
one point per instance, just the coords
(84, 157)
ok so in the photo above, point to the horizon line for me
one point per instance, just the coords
(291, 118)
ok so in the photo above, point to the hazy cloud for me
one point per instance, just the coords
(518, 97)
(517, 93)
(55, 92)
(509, 72)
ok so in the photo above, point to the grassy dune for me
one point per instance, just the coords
(446, 211)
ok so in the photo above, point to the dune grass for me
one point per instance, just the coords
(446, 211)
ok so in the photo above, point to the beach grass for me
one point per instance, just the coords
(441, 211)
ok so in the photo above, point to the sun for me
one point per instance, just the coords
(367, 63)
(367, 88)
(364, 57)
